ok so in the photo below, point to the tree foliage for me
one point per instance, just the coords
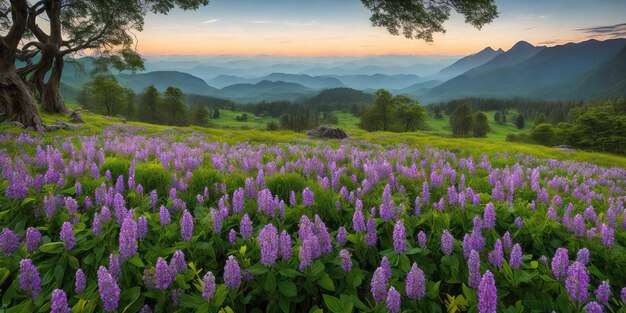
(480, 125)
(421, 19)
(461, 120)
(392, 113)
(520, 121)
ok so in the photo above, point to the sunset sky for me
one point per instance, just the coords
(342, 27)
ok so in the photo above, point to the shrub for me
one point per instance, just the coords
(282, 185)
(153, 177)
(116, 166)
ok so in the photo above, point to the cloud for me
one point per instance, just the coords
(285, 22)
(617, 30)
(535, 16)
(210, 21)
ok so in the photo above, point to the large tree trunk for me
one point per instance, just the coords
(16, 100)
(50, 91)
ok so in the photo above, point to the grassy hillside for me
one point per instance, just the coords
(465, 146)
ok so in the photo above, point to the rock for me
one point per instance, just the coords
(76, 118)
(60, 125)
(327, 132)
(14, 123)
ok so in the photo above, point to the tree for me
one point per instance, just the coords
(379, 116)
(541, 118)
(544, 134)
(503, 116)
(149, 105)
(199, 116)
(437, 112)
(103, 27)
(498, 117)
(106, 95)
(174, 107)
(409, 114)
(216, 113)
(461, 120)
(129, 111)
(480, 126)
(421, 19)
(16, 101)
(520, 121)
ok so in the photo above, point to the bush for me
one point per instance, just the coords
(153, 176)
(272, 126)
(116, 166)
(283, 184)
(202, 178)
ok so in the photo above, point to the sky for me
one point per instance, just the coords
(342, 28)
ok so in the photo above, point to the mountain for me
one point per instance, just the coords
(162, 79)
(521, 51)
(416, 90)
(342, 96)
(606, 81)
(378, 81)
(469, 62)
(264, 90)
(312, 82)
(541, 75)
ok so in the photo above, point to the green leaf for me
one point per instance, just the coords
(73, 262)
(136, 261)
(335, 305)
(257, 269)
(4, 274)
(289, 272)
(220, 295)
(326, 283)
(270, 283)
(52, 247)
(287, 288)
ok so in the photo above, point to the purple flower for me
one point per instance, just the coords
(576, 282)
(115, 269)
(386, 266)
(186, 226)
(145, 308)
(607, 235)
(9, 241)
(346, 261)
(232, 273)
(560, 263)
(164, 216)
(245, 227)
(421, 239)
(232, 236)
(487, 294)
(489, 216)
(358, 221)
(371, 237)
(603, 293)
(447, 243)
(154, 198)
(583, 256)
(307, 197)
(58, 302)
(285, 245)
(80, 281)
(108, 289)
(473, 264)
(67, 236)
(393, 300)
(30, 281)
(506, 241)
(33, 237)
(386, 207)
(379, 285)
(238, 200)
(208, 286)
(515, 259)
(415, 283)
(497, 255)
(623, 295)
(342, 235)
(163, 274)
(142, 227)
(578, 226)
(128, 238)
(593, 307)
(399, 237)
(96, 225)
(216, 221)
(178, 263)
(268, 240)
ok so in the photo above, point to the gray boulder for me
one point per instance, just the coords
(327, 132)
(76, 118)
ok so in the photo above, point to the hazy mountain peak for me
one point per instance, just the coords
(487, 50)
(521, 45)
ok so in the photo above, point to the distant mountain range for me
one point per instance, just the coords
(586, 70)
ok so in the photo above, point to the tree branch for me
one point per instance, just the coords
(88, 43)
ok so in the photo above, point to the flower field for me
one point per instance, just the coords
(132, 220)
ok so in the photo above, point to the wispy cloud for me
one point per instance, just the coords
(535, 16)
(617, 30)
(210, 21)
(284, 22)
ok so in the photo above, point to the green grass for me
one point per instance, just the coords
(441, 126)
(228, 119)
(465, 146)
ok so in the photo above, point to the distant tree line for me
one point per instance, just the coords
(104, 95)
(467, 123)
(532, 109)
(596, 126)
